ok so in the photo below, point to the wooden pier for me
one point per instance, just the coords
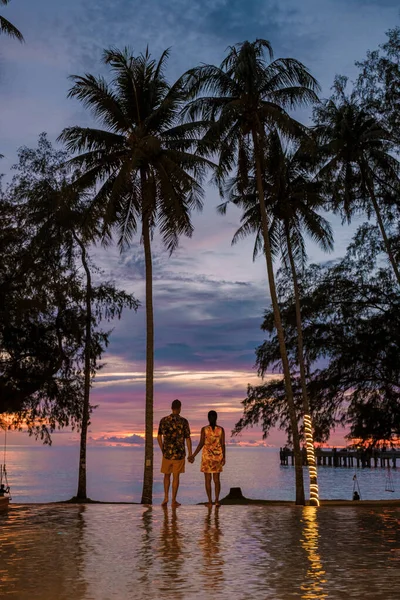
(346, 458)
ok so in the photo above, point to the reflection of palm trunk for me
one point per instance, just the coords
(146, 553)
(279, 329)
(147, 494)
(312, 467)
(82, 494)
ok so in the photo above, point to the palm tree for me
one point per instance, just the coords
(142, 164)
(7, 27)
(355, 160)
(293, 198)
(244, 98)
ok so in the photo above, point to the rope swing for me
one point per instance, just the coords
(356, 488)
(389, 485)
(4, 487)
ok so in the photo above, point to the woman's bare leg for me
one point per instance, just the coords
(207, 479)
(217, 484)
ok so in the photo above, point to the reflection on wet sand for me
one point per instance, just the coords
(170, 551)
(45, 559)
(146, 547)
(313, 586)
(213, 559)
(109, 552)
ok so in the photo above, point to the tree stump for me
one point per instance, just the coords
(235, 493)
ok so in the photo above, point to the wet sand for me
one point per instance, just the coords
(269, 551)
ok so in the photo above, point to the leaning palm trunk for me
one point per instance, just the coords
(312, 466)
(147, 493)
(300, 499)
(382, 229)
(81, 494)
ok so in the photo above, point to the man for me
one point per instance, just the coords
(172, 433)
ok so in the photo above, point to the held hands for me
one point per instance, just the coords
(191, 458)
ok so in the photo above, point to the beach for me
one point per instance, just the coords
(107, 552)
(260, 547)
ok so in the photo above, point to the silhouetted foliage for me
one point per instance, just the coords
(378, 83)
(43, 296)
(351, 323)
(357, 161)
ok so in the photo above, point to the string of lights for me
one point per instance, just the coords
(312, 465)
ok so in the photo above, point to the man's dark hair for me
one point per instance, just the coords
(176, 405)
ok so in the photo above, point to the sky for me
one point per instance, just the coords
(209, 296)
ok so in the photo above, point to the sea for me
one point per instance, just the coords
(40, 473)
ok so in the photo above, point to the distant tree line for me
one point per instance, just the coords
(331, 328)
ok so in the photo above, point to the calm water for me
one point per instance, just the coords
(124, 552)
(44, 474)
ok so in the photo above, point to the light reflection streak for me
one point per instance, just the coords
(312, 588)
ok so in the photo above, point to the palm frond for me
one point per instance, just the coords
(96, 95)
(9, 29)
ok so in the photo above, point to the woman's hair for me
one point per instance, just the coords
(212, 418)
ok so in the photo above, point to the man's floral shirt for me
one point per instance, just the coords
(174, 429)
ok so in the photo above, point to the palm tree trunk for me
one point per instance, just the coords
(147, 493)
(312, 466)
(300, 499)
(381, 225)
(81, 493)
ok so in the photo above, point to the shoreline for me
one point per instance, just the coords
(227, 502)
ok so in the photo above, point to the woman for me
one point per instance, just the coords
(212, 441)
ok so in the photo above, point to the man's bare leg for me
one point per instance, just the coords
(175, 486)
(167, 481)
(207, 478)
(217, 484)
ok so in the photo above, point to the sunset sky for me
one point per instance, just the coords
(209, 297)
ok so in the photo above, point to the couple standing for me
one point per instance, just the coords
(173, 431)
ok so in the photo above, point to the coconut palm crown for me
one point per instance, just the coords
(294, 199)
(246, 94)
(141, 158)
(356, 160)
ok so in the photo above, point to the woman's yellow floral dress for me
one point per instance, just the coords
(212, 455)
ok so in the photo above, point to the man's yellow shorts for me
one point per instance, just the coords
(172, 466)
